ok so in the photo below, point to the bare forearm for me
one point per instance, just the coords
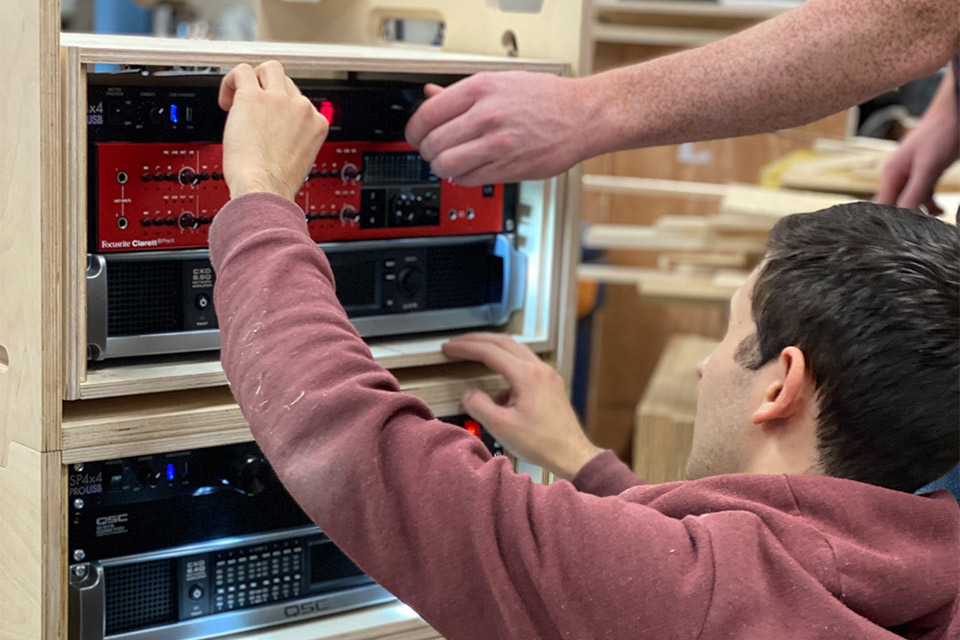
(943, 107)
(820, 58)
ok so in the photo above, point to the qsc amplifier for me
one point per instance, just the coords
(196, 544)
(157, 169)
(161, 302)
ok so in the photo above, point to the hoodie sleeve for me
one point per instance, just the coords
(421, 506)
(606, 475)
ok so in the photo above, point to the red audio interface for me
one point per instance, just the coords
(157, 195)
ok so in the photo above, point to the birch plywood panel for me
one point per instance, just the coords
(32, 573)
(29, 210)
(474, 26)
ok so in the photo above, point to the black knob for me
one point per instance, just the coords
(147, 475)
(349, 172)
(188, 176)
(216, 175)
(349, 214)
(252, 475)
(410, 281)
(188, 221)
(158, 115)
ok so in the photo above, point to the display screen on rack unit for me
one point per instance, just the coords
(156, 167)
(186, 545)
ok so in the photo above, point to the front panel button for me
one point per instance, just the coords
(411, 281)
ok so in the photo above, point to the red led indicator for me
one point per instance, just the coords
(473, 428)
(328, 111)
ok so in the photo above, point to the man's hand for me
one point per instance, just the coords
(273, 132)
(502, 127)
(911, 173)
(533, 419)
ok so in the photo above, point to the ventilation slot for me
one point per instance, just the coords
(454, 272)
(144, 297)
(140, 595)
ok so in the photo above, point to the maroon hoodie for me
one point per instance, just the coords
(481, 552)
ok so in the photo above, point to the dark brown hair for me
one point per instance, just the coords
(871, 294)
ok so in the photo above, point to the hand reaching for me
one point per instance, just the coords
(501, 127)
(273, 132)
(533, 419)
(911, 173)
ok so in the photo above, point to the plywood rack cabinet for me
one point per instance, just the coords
(540, 226)
(55, 410)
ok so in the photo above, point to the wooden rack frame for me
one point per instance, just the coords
(541, 229)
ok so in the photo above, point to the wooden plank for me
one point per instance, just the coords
(752, 200)
(663, 284)
(205, 370)
(630, 185)
(567, 280)
(316, 58)
(719, 288)
(32, 537)
(635, 237)
(476, 26)
(74, 223)
(663, 435)
(161, 422)
(606, 8)
(30, 121)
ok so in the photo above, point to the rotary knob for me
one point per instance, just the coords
(188, 176)
(147, 475)
(350, 172)
(349, 214)
(410, 281)
(188, 221)
(252, 475)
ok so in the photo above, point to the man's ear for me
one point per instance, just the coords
(784, 397)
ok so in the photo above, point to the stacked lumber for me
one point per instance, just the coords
(702, 258)
(852, 166)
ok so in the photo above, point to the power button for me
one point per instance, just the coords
(202, 302)
(196, 592)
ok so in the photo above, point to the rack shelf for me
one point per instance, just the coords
(161, 422)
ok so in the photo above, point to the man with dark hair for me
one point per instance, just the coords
(871, 295)
(833, 394)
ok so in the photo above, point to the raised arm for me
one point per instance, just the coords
(809, 62)
(419, 505)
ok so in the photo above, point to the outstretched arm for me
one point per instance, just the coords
(809, 62)
(421, 506)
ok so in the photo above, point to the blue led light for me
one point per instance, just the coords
(171, 472)
(173, 113)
